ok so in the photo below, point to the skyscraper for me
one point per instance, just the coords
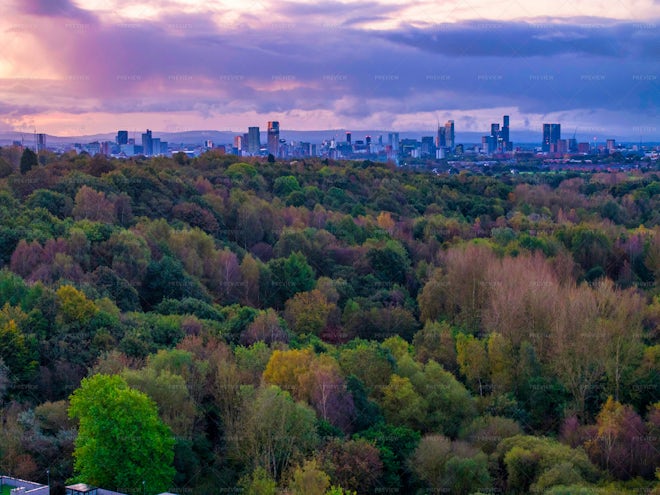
(122, 137)
(348, 137)
(449, 134)
(147, 145)
(506, 143)
(495, 132)
(155, 146)
(393, 141)
(551, 134)
(273, 137)
(427, 148)
(41, 142)
(254, 140)
(440, 141)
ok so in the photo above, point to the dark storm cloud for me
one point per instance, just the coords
(588, 37)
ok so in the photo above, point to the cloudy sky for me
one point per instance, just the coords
(72, 67)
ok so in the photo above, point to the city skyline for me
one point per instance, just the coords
(85, 67)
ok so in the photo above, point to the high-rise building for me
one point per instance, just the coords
(449, 134)
(495, 141)
(440, 141)
(488, 144)
(147, 145)
(41, 142)
(254, 140)
(273, 137)
(610, 144)
(393, 141)
(427, 148)
(155, 146)
(551, 134)
(508, 145)
(348, 137)
(122, 137)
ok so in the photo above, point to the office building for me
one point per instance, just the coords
(488, 144)
(611, 145)
(551, 134)
(273, 137)
(584, 148)
(561, 146)
(449, 134)
(428, 148)
(348, 137)
(122, 137)
(495, 139)
(440, 141)
(155, 146)
(254, 140)
(393, 141)
(506, 142)
(147, 145)
(41, 142)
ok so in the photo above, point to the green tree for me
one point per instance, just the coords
(28, 161)
(121, 440)
(402, 405)
(283, 186)
(308, 312)
(435, 341)
(472, 359)
(288, 276)
(5, 168)
(18, 353)
(309, 480)
(259, 482)
(272, 431)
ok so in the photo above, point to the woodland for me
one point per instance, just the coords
(222, 324)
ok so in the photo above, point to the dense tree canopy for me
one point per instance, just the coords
(328, 327)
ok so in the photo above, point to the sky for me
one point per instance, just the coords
(79, 67)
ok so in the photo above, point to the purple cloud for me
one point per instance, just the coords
(187, 62)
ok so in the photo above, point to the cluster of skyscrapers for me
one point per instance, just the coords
(553, 143)
(498, 141)
(382, 148)
(250, 142)
(150, 146)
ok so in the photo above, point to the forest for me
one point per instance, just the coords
(222, 324)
